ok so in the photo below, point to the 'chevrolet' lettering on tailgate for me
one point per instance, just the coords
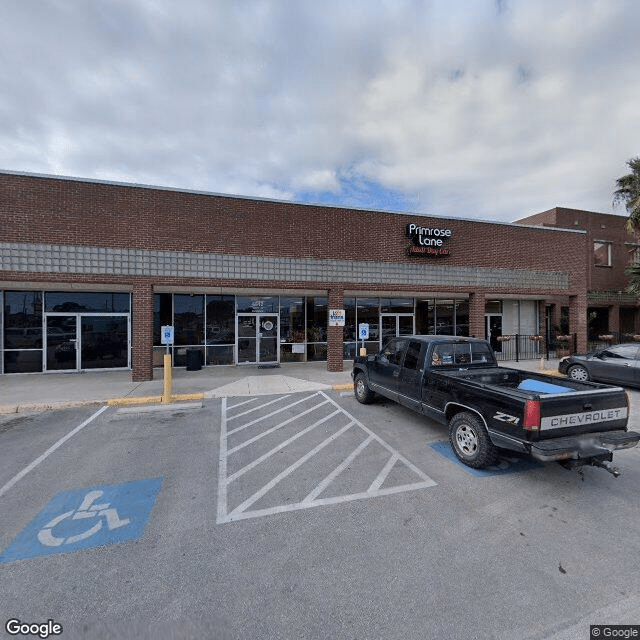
(578, 419)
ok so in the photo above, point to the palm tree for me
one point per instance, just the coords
(628, 192)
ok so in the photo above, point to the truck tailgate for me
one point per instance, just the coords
(581, 412)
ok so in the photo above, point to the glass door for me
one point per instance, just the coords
(62, 342)
(104, 342)
(493, 330)
(268, 338)
(258, 338)
(393, 325)
(247, 339)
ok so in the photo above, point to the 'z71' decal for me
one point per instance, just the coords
(504, 417)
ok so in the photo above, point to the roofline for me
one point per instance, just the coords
(134, 185)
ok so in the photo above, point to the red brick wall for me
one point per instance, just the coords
(599, 226)
(62, 211)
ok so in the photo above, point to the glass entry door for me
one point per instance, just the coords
(258, 338)
(493, 330)
(393, 325)
(86, 341)
(62, 342)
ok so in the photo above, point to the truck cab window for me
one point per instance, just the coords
(442, 354)
(412, 359)
(393, 351)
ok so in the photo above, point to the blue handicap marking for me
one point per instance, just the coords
(84, 518)
(506, 463)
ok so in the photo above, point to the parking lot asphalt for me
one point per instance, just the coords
(302, 515)
(46, 391)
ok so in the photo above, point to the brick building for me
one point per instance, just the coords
(609, 250)
(90, 271)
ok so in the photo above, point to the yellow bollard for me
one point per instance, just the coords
(166, 394)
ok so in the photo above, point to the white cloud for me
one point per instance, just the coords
(470, 108)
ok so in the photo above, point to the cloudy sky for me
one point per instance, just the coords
(491, 109)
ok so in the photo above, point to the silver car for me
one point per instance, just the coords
(618, 364)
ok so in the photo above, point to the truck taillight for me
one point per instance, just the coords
(532, 415)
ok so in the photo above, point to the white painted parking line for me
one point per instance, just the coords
(244, 413)
(49, 451)
(393, 460)
(278, 447)
(268, 432)
(268, 415)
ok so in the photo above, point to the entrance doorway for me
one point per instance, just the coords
(393, 325)
(258, 337)
(493, 329)
(76, 341)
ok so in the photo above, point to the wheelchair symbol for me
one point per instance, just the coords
(86, 510)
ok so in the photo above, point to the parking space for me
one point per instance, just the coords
(288, 453)
(305, 515)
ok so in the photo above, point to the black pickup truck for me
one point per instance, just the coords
(457, 381)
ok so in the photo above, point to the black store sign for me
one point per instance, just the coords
(429, 242)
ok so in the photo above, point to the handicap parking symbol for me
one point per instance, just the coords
(88, 517)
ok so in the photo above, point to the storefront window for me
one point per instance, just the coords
(396, 305)
(350, 330)
(89, 302)
(292, 319)
(444, 317)
(221, 320)
(462, 318)
(257, 304)
(317, 320)
(23, 320)
(188, 319)
(22, 331)
(162, 315)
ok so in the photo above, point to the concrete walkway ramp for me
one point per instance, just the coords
(265, 386)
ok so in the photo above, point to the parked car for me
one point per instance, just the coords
(457, 381)
(618, 364)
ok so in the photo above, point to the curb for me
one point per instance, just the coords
(8, 409)
(346, 386)
(154, 399)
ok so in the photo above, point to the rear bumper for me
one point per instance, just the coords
(584, 446)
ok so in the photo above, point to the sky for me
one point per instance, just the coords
(477, 109)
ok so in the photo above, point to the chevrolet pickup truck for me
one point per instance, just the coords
(457, 381)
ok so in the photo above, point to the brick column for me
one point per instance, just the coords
(142, 332)
(614, 318)
(335, 355)
(578, 319)
(476, 315)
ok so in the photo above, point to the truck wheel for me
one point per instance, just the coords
(470, 441)
(362, 392)
(578, 372)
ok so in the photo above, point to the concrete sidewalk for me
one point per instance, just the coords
(47, 391)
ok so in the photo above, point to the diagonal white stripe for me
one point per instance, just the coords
(337, 471)
(262, 406)
(377, 483)
(290, 469)
(269, 415)
(277, 448)
(278, 426)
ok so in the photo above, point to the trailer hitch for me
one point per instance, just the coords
(603, 461)
(606, 465)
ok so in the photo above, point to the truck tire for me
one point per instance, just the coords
(363, 394)
(470, 441)
(578, 372)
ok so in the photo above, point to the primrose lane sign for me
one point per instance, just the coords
(429, 242)
(88, 517)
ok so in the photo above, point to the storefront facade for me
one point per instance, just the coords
(90, 272)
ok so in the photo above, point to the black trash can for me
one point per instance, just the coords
(194, 359)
